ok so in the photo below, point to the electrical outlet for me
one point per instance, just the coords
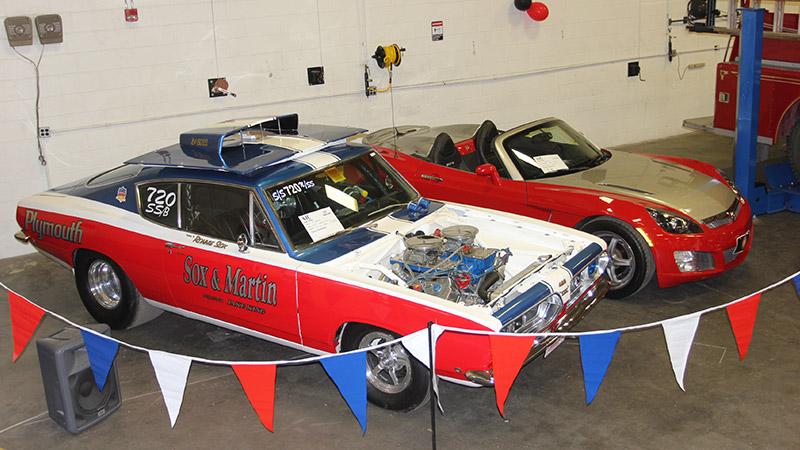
(44, 132)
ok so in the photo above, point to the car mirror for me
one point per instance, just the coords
(243, 242)
(489, 170)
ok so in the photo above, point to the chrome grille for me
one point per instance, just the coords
(725, 217)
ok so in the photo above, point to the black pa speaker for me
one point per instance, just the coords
(73, 400)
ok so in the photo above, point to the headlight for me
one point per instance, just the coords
(674, 223)
(537, 318)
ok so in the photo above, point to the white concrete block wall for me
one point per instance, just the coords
(113, 90)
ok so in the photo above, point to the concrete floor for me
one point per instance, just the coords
(728, 404)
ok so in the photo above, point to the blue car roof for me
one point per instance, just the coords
(205, 148)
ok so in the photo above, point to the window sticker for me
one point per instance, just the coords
(549, 163)
(321, 223)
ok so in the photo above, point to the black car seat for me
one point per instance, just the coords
(484, 143)
(444, 152)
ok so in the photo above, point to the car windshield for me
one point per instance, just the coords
(549, 149)
(341, 197)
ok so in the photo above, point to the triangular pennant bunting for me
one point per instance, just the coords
(171, 373)
(417, 344)
(597, 350)
(508, 354)
(349, 373)
(796, 282)
(102, 352)
(679, 334)
(258, 382)
(742, 316)
(25, 317)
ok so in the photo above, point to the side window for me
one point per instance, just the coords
(224, 212)
(159, 202)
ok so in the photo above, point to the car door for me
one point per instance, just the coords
(470, 188)
(210, 275)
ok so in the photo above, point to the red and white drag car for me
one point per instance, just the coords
(677, 218)
(293, 234)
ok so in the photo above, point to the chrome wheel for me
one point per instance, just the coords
(103, 284)
(622, 265)
(388, 368)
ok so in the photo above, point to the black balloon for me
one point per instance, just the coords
(522, 5)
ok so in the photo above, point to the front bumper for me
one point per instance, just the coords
(562, 324)
(719, 242)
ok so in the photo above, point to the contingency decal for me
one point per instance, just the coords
(236, 282)
(122, 194)
(69, 233)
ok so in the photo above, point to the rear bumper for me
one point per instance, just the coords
(22, 237)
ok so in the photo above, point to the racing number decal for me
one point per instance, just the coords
(159, 202)
(291, 189)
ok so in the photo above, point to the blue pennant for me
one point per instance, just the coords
(349, 372)
(597, 350)
(796, 281)
(102, 352)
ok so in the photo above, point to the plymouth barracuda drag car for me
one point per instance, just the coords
(677, 218)
(293, 234)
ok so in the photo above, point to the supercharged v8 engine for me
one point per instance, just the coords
(449, 264)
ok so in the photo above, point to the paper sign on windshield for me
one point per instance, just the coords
(321, 223)
(549, 163)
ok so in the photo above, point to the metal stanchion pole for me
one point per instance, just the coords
(433, 380)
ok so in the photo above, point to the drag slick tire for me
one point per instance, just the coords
(395, 379)
(107, 293)
(631, 266)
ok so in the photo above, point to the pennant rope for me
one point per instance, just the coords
(313, 359)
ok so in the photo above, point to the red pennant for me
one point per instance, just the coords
(25, 317)
(508, 355)
(742, 316)
(258, 382)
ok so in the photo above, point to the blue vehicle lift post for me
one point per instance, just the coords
(781, 192)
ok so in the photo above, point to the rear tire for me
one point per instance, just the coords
(632, 265)
(107, 293)
(395, 379)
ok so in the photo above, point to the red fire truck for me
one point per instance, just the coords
(779, 115)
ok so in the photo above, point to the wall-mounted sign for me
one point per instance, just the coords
(437, 30)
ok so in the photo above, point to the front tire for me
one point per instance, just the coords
(631, 265)
(107, 293)
(395, 379)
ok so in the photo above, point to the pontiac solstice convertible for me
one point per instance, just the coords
(677, 218)
(291, 233)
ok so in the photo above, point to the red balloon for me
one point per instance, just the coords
(538, 11)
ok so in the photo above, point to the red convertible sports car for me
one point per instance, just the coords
(678, 219)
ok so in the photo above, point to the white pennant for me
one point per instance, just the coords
(679, 333)
(417, 344)
(171, 372)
